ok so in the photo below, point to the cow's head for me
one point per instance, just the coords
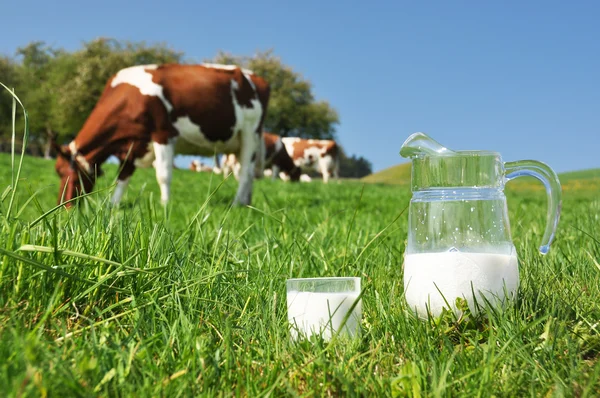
(75, 179)
(295, 174)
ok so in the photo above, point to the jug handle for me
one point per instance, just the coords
(548, 177)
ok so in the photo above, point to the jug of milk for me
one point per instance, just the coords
(459, 241)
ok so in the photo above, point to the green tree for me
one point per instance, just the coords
(9, 75)
(354, 166)
(293, 109)
(37, 92)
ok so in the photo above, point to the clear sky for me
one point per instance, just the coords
(518, 77)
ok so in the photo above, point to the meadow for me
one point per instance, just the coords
(190, 301)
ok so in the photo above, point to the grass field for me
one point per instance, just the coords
(136, 301)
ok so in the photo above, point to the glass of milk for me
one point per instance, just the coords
(324, 306)
(459, 240)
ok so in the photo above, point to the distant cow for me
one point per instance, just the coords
(320, 155)
(276, 158)
(229, 164)
(198, 166)
(144, 109)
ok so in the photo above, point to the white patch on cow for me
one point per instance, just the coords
(192, 133)
(268, 172)
(119, 191)
(305, 178)
(289, 144)
(146, 160)
(284, 176)
(164, 167)
(80, 159)
(138, 77)
(227, 67)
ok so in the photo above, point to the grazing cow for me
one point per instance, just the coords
(229, 164)
(198, 166)
(144, 109)
(320, 155)
(276, 158)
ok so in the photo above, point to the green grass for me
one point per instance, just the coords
(136, 301)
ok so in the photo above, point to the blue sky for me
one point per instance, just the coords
(520, 78)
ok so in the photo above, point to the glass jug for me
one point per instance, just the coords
(459, 241)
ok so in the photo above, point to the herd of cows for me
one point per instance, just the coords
(285, 158)
(214, 109)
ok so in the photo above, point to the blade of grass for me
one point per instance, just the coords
(25, 137)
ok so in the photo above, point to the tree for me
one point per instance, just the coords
(293, 110)
(354, 166)
(9, 75)
(37, 91)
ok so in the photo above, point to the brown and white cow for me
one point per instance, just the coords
(320, 155)
(275, 158)
(198, 166)
(144, 109)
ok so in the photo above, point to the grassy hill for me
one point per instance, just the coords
(584, 180)
(399, 174)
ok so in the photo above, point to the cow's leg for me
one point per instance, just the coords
(164, 167)
(247, 158)
(127, 169)
(119, 191)
(325, 166)
(259, 165)
(275, 170)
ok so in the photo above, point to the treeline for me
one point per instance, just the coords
(60, 88)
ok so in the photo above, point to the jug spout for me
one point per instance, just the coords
(420, 144)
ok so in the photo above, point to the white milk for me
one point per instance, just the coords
(454, 273)
(310, 312)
